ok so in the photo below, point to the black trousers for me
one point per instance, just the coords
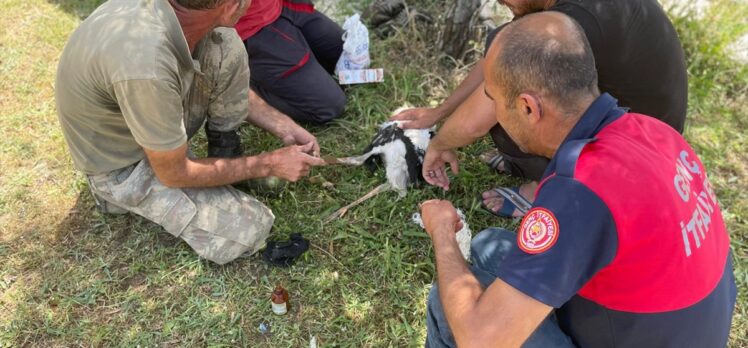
(291, 61)
(639, 61)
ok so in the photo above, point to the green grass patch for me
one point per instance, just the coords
(70, 276)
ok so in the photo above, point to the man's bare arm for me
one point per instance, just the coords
(470, 84)
(500, 316)
(174, 169)
(471, 121)
(427, 117)
(263, 115)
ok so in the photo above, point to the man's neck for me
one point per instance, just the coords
(195, 23)
(549, 4)
(561, 129)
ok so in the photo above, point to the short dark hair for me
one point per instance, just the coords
(558, 66)
(200, 4)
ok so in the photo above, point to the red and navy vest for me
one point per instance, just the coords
(626, 238)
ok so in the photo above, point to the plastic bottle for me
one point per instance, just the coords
(279, 300)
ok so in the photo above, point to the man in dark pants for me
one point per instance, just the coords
(639, 60)
(292, 52)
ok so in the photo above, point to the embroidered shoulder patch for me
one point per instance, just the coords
(538, 231)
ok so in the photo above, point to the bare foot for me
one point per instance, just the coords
(493, 201)
(493, 160)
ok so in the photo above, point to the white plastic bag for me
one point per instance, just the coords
(355, 54)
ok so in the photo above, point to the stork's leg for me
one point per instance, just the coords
(340, 212)
(352, 161)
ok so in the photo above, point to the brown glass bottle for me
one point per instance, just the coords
(279, 300)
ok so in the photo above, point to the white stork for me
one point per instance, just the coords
(401, 151)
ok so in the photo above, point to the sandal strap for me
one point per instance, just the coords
(512, 195)
(496, 161)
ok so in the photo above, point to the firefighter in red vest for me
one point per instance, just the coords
(625, 245)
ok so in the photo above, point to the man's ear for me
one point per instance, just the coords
(530, 106)
(228, 8)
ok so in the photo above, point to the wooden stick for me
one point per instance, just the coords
(333, 257)
(340, 212)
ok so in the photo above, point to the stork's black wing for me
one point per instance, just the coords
(391, 134)
(383, 137)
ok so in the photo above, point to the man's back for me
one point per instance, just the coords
(259, 14)
(641, 254)
(117, 64)
(638, 55)
(671, 268)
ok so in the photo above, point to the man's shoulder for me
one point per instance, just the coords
(631, 153)
(607, 12)
(125, 41)
(589, 14)
(572, 7)
(555, 192)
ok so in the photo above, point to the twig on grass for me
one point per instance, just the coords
(340, 212)
(332, 257)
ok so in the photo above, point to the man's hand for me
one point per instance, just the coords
(418, 118)
(293, 162)
(435, 166)
(439, 215)
(300, 136)
(270, 119)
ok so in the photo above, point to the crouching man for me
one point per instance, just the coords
(625, 239)
(136, 80)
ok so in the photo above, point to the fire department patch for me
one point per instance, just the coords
(538, 231)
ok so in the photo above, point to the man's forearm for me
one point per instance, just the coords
(472, 120)
(262, 115)
(208, 172)
(459, 290)
(174, 169)
(463, 91)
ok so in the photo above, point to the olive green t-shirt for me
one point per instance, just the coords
(121, 82)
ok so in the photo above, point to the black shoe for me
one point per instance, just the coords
(284, 253)
(223, 144)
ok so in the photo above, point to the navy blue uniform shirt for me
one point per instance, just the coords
(626, 238)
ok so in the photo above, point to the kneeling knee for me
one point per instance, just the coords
(332, 108)
(216, 249)
(492, 241)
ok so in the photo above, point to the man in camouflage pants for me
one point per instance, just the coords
(136, 80)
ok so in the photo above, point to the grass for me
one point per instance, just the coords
(72, 277)
(718, 118)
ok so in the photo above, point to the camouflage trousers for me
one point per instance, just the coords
(219, 92)
(219, 223)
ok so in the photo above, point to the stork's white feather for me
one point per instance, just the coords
(393, 156)
(391, 146)
(396, 167)
(464, 236)
(420, 137)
